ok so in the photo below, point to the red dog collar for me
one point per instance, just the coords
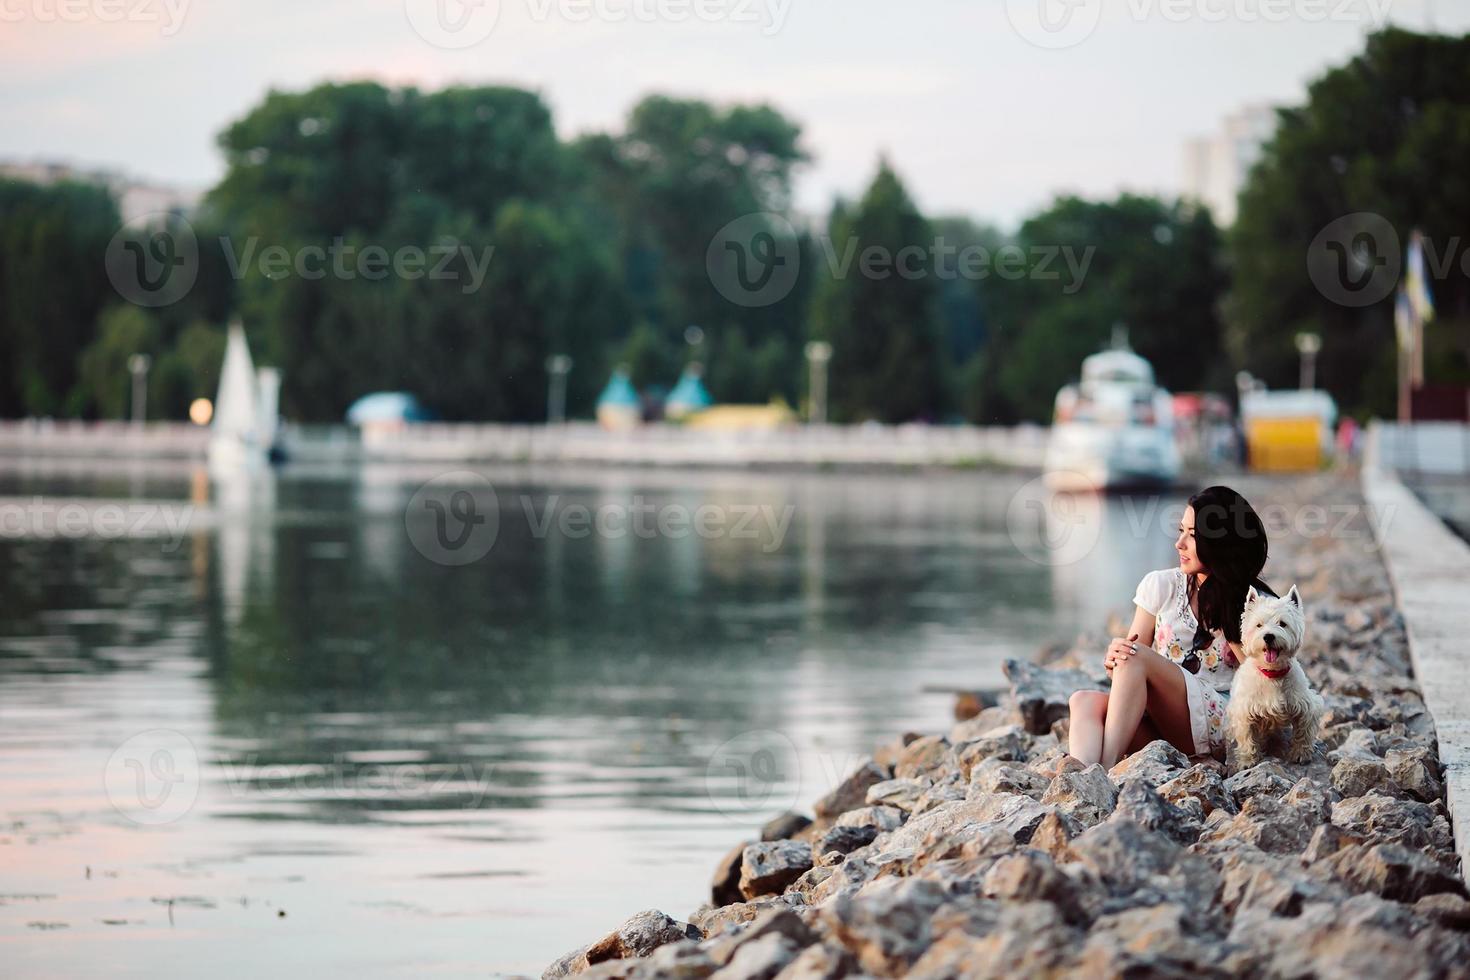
(1276, 675)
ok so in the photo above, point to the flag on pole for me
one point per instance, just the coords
(1418, 283)
(1403, 319)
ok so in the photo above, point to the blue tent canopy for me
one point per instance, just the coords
(689, 395)
(619, 392)
(387, 406)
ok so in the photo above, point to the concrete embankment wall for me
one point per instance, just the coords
(1430, 568)
(575, 442)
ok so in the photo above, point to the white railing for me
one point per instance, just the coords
(1427, 448)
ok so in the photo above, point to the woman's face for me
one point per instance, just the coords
(1189, 562)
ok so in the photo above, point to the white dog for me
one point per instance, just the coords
(1270, 690)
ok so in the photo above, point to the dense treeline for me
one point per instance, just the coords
(1386, 134)
(447, 243)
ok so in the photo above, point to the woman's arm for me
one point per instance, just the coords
(1140, 635)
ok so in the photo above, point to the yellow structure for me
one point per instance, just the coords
(1287, 431)
(734, 418)
(1284, 445)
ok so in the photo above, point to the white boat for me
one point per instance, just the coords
(1113, 429)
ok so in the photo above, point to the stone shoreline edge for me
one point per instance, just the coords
(1430, 569)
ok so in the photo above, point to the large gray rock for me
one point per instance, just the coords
(1015, 939)
(921, 757)
(1032, 876)
(1393, 871)
(852, 792)
(778, 920)
(1264, 822)
(1142, 866)
(639, 935)
(1040, 694)
(1266, 778)
(1381, 819)
(845, 840)
(785, 827)
(1416, 771)
(725, 887)
(768, 867)
(1155, 941)
(1202, 783)
(1355, 776)
(1009, 742)
(901, 793)
(1085, 795)
(885, 925)
(1156, 763)
(1140, 803)
(1000, 776)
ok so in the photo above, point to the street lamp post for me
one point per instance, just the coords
(1307, 345)
(138, 367)
(818, 354)
(557, 366)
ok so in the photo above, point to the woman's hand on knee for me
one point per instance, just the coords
(1120, 650)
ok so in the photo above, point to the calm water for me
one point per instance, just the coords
(258, 727)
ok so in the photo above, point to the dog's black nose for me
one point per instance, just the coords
(1269, 638)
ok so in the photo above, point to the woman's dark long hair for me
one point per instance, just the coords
(1230, 541)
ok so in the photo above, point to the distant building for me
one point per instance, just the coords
(134, 197)
(1215, 167)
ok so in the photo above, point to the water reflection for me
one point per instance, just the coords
(512, 754)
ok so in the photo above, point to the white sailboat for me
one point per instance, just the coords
(245, 410)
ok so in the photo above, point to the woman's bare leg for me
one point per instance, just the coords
(1145, 682)
(1085, 726)
(1147, 732)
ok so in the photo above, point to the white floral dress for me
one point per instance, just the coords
(1207, 673)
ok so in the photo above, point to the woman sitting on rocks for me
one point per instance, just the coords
(1171, 676)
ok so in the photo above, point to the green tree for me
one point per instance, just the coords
(1386, 133)
(461, 177)
(1151, 266)
(664, 188)
(53, 285)
(883, 325)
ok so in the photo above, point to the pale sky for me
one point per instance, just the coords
(976, 118)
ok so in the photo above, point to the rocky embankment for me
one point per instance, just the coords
(985, 851)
